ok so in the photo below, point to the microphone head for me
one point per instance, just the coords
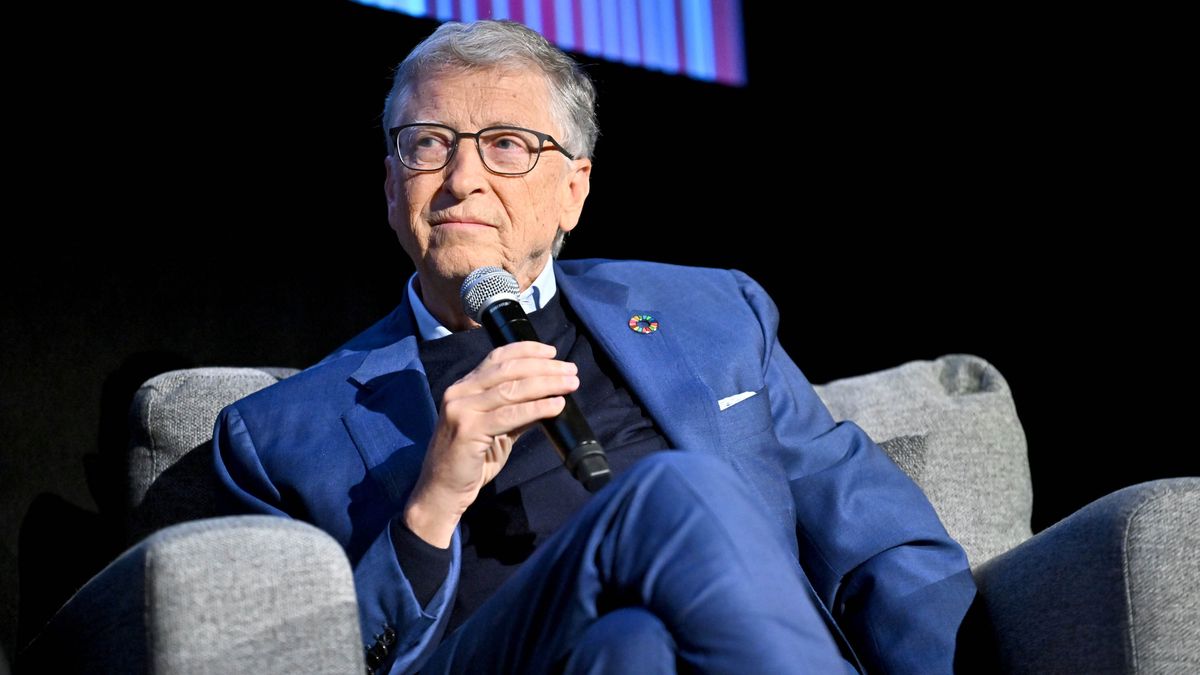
(484, 286)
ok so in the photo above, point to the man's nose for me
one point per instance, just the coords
(465, 173)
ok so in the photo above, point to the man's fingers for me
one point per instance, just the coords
(527, 389)
(509, 406)
(489, 374)
(463, 398)
(522, 348)
(501, 447)
(521, 416)
(518, 368)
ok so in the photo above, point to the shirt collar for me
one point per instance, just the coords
(532, 299)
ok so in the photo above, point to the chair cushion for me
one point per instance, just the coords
(951, 424)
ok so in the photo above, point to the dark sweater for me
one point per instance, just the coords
(500, 531)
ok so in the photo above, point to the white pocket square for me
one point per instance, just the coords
(735, 399)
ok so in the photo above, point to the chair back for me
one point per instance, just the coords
(170, 473)
(952, 425)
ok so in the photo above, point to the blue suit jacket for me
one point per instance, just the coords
(340, 445)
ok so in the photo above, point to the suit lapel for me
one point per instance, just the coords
(653, 364)
(394, 415)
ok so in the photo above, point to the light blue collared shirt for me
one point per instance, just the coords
(532, 299)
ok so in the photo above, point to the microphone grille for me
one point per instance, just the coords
(485, 285)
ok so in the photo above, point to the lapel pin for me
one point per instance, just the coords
(643, 323)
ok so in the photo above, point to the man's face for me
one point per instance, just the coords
(517, 216)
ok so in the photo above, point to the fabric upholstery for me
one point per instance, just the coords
(171, 421)
(951, 424)
(1115, 587)
(221, 595)
(1162, 564)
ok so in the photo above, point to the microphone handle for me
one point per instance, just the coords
(506, 322)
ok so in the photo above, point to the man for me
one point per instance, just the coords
(744, 531)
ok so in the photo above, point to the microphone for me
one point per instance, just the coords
(491, 296)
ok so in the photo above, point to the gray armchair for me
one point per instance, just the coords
(1113, 588)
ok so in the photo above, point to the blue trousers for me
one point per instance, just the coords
(671, 567)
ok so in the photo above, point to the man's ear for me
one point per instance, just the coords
(575, 192)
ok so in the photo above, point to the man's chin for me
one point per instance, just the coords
(457, 269)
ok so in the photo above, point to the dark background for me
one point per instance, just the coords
(203, 186)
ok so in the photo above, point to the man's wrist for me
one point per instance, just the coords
(425, 565)
(432, 523)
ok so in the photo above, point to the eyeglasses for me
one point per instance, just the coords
(509, 151)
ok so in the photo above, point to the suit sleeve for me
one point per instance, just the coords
(871, 543)
(386, 597)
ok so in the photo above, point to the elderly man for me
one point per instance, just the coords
(744, 531)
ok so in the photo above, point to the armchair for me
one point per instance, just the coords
(1115, 587)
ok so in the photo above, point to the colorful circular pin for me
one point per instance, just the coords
(643, 323)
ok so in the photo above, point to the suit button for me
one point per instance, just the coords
(389, 637)
(373, 661)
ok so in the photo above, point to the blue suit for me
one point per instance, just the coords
(341, 444)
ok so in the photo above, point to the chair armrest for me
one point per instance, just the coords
(234, 594)
(1115, 587)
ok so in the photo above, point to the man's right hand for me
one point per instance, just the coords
(481, 416)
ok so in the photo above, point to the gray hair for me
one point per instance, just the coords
(504, 44)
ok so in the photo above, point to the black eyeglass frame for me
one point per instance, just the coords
(394, 133)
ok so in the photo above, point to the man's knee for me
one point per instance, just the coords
(629, 639)
(703, 476)
(686, 462)
(697, 482)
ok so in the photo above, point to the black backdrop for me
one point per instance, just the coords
(203, 186)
